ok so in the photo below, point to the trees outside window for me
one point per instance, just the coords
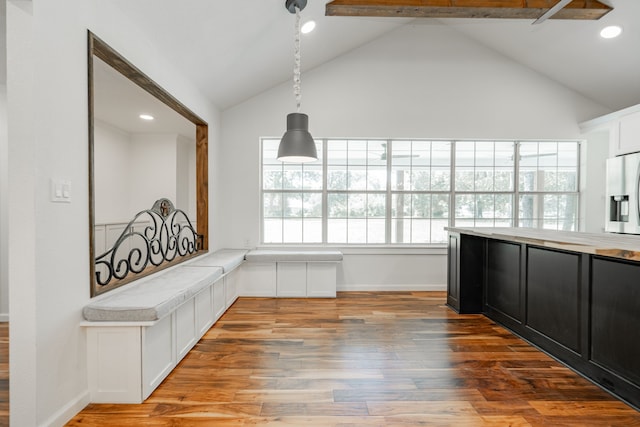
(405, 192)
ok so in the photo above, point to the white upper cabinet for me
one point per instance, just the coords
(625, 135)
(623, 127)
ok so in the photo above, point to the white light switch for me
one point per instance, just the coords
(60, 191)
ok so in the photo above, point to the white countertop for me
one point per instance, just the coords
(625, 246)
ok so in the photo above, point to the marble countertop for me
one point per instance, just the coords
(624, 246)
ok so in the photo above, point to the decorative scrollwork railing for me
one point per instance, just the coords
(153, 239)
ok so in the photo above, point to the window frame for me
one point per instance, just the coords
(389, 192)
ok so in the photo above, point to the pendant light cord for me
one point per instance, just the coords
(296, 58)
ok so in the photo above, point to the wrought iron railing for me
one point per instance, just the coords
(154, 239)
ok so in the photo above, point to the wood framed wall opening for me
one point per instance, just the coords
(99, 49)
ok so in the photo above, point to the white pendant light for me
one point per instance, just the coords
(297, 144)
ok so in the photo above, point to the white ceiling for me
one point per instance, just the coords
(234, 50)
(119, 102)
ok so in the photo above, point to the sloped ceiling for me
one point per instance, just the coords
(234, 50)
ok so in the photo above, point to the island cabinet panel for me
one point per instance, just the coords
(465, 274)
(553, 295)
(503, 288)
(615, 318)
(453, 284)
(571, 294)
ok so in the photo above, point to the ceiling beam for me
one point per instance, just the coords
(508, 9)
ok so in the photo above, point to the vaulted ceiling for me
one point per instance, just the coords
(234, 50)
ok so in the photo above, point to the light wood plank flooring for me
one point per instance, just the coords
(365, 359)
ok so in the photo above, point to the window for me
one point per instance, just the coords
(292, 196)
(405, 192)
(484, 183)
(356, 191)
(548, 185)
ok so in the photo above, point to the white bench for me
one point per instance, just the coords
(288, 273)
(137, 334)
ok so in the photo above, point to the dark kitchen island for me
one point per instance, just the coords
(574, 295)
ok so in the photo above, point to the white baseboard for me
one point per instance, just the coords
(68, 411)
(4, 317)
(390, 288)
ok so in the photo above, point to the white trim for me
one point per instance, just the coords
(607, 119)
(392, 288)
(365, 250)
(4, 317)
(68, 411)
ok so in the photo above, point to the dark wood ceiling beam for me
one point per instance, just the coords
(506, 9)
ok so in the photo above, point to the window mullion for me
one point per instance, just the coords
(452, 186)
(388, 220)
(516, 184)
(325, 197)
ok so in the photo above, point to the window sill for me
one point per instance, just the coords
(367, 249)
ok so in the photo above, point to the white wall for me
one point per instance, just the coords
(418, 81)
(112, 174)
(592, 180)
(186, 176)
(48, 249)
(153, 172)
(4, 208)
(132, 171)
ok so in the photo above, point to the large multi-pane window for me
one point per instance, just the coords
(405, 192)
(484, 183)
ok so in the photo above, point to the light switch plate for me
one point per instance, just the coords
(60, 191)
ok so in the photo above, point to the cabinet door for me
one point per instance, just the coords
(158, 353)
(204, 310)
(628, 134)
(185, 327)
(503, 279)
(219, 300)
(259, 279)
(114, 364)
(291, 279)
(471, 270)
(453, 284)
(321, 279)
(553, 295)
(615, 317)
(231, 287)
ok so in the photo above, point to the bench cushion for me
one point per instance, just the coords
(153, 297)
(293, 256)
(227, 259)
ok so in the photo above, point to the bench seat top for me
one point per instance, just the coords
(154, 296)
(266, 255)
(227, 259)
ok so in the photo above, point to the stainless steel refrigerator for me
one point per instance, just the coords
(622, 195)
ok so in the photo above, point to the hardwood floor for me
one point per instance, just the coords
(365, 359)
(4, 374)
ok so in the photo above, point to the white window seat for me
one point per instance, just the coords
(137, 334)
(291, 273)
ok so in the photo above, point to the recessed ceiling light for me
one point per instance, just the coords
(308, 26)
(146, 116)
(610, 32)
